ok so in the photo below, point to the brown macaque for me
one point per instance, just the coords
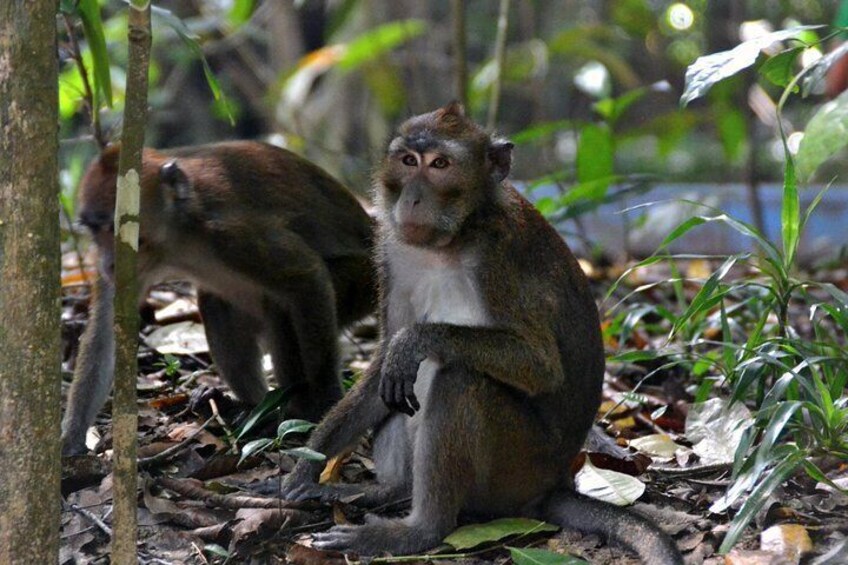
(489, 370)
(279, 251)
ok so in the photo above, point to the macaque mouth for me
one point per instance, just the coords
(423, 234)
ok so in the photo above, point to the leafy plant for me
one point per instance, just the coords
(285, 429)
(170, 364)
(795, 381)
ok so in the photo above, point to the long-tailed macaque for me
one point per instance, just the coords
(280, 253)
(489, 371)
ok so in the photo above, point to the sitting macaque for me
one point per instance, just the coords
(279, 251)
(489, 370)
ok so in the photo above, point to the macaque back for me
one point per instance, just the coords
(279, 251)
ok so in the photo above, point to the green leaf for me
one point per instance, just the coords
(710, 69)
(758, 496)
(305, 453)
(272, 401)
(255, 447)
(289, 427)
(790, 213)
(779, 69)
(378, 41)
(595, 153)
(240, 12)
(826, 133)
(216, 549)
(190, 41)
(539, 131)
(89, 11)
(473, 535)
(534, 556)
(613, 108)
(732, 131)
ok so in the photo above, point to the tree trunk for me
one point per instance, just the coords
(30, 358)
(124, 408)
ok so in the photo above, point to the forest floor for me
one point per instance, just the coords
(198, 504)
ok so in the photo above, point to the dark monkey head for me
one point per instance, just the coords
(439, 170)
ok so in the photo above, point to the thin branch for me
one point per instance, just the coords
(500, 55)
(193, 489)
(90, 516)
(460, 57)
(88, 98)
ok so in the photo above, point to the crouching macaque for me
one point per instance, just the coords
(280, 253)
(489, 371)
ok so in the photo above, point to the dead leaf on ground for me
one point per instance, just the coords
(609, 486)
(789, 540)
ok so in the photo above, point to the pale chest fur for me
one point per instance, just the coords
(428, 287)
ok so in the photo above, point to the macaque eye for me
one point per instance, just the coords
(439, 163)
(409, 160)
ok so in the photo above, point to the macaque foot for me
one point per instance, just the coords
(378, 536)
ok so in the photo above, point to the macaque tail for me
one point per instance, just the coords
(574, 511)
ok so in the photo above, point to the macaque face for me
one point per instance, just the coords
(437, 170)
(97, 210)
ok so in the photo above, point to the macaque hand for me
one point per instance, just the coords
(400, 369)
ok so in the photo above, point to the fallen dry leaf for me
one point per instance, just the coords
(606, 485)
(789, 540)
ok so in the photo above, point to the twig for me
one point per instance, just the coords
(88, 515)
(88, 99)
(199, 552)
(698, 470)
(500, 52)
(460, 64)
(193, 489)
(227, 431)
(173, 451)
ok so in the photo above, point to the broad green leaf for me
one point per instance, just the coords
(216, 549)
(779, 69)
(710, 69)
(378, 41)
(255, 447)
(826, 133)
(473, 535)
(289, 427)
(240, 12)
(790, 213)
(539, 131)
(535, 556)
(89, 11)
(595, 154)
(613, 108)
(271, 402)
(732, 131)
(305, 453)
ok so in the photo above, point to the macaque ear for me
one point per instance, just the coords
(500, 157)
(454, 108)
(174, 178)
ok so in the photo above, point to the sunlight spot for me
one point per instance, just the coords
(680, 16)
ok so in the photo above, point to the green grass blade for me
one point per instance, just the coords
(756, 499)
(790, 215)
